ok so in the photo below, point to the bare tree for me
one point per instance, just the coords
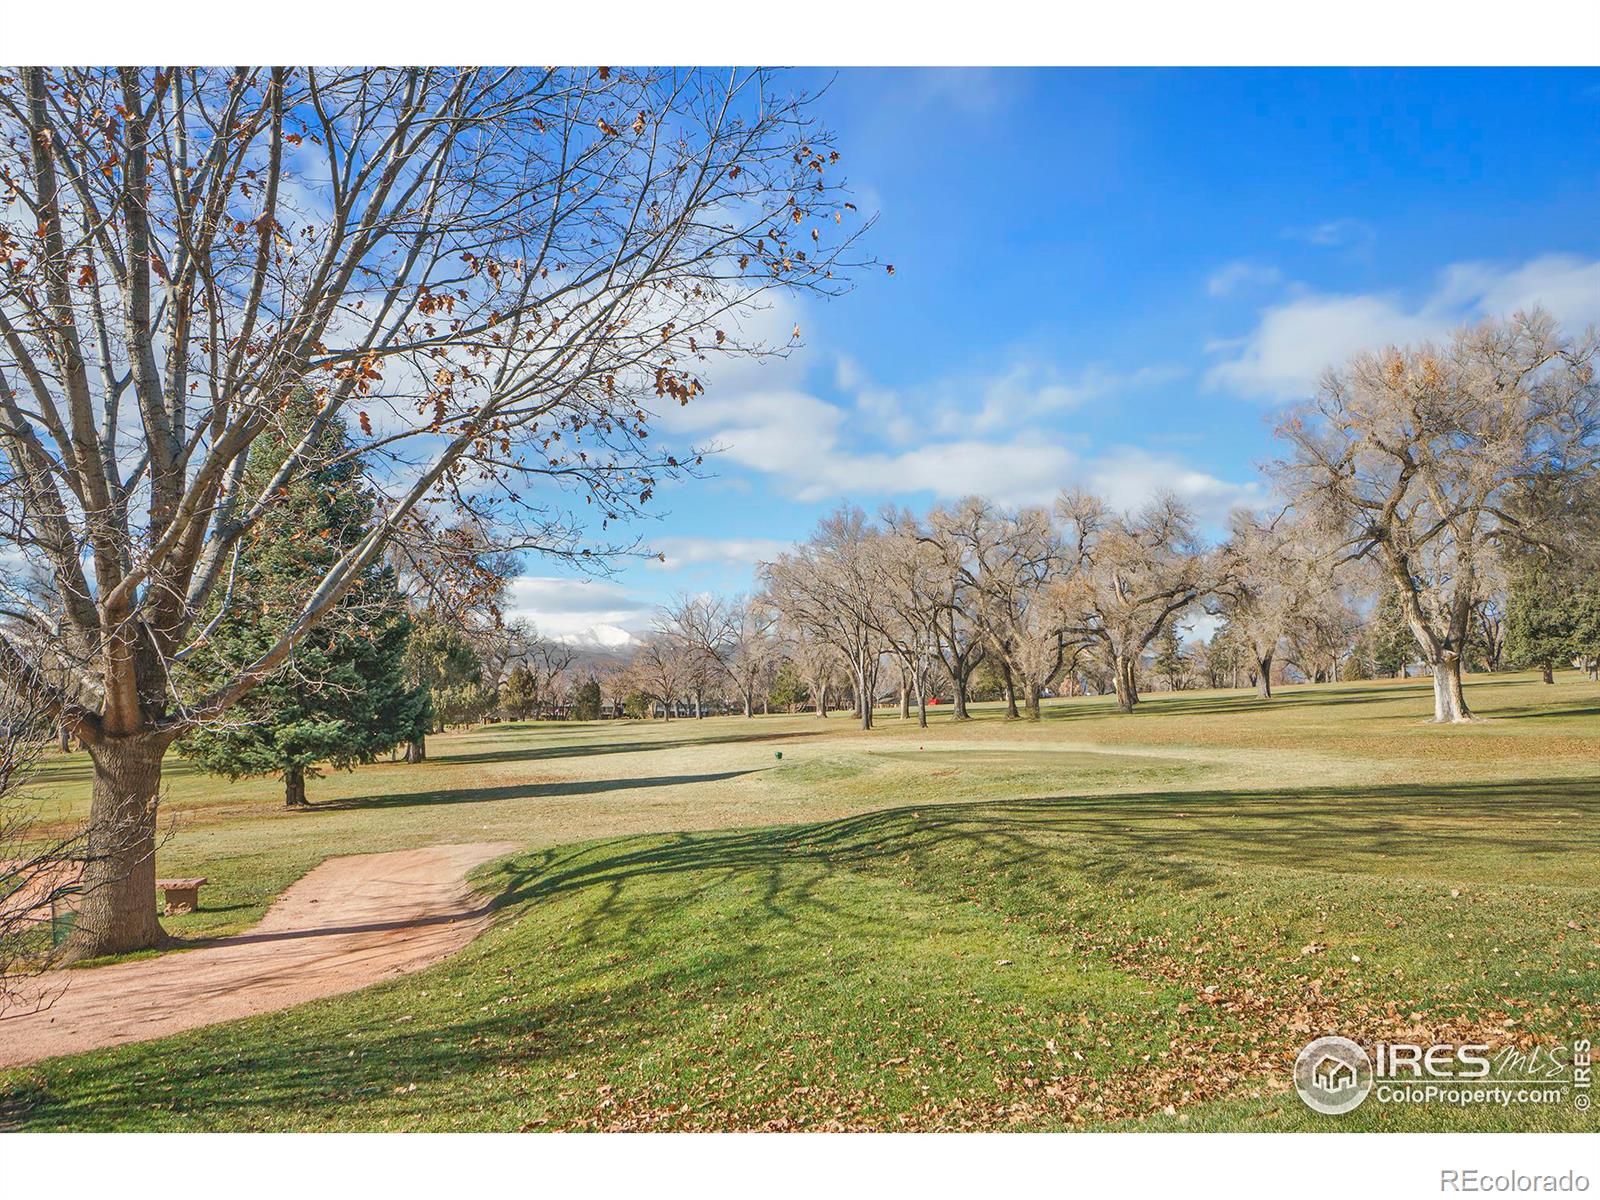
(817, 662)
(1129, 575)
(1273, 575)
(1416, 454)
(698, 626)
(1323, 635)
(496, 274)
(662, 671)
(958, 637)
(828, 587)
(748, 648)
(1007, 561)
(911, 587)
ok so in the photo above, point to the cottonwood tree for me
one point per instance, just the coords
(698, 625)
(911, 589)
(1489, 629)
(828, 587)
(748, 649)
(1128, 575)
(816, 661)
(662, 671)
(1273, 572)
(958, 638)
(1415, 455)
(549, 663)
(1007, 562)
(1325, 634)
(495, 274)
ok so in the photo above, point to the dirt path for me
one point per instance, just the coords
(349, 922)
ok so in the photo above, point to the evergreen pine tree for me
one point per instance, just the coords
(342, 699)
(1171, 663)
(1542, 617)
(441, 663)
(519, 694)
(1392, 644)
(1586, 627)
(788, 690)
(586, 704)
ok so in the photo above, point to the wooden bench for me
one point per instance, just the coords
(181, 895)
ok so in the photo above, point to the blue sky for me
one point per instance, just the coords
(1112, 278)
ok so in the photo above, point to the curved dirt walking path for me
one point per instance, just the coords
(350, 922)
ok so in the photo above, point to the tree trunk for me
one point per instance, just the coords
(749, 705)
(1125, 683)
(118, 911)
(1011, 692)
(1546, 675)
(294, 787)
(863, 700)
(905, 703)
(64, 737)
(1264, 680)
(1449, 701)
(417, 750)
(1030, 699)
(960, 697)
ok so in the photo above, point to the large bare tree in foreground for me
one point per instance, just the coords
(1418, 454)
(493, 274)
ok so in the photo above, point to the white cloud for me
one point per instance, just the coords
(1128, 476)
(1241, 276)
(883, 444)
(1567, 285)
(1025, 471)
(1294, 342)
(580, 610)
(1029, 391)
(682, 552)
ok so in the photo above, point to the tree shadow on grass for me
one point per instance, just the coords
(1179, 840)
(559, 789)
(295, 1066)
(593, 749)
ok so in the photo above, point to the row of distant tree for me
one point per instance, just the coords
(1437, 506)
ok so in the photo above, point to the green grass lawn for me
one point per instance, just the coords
(1093, 921)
